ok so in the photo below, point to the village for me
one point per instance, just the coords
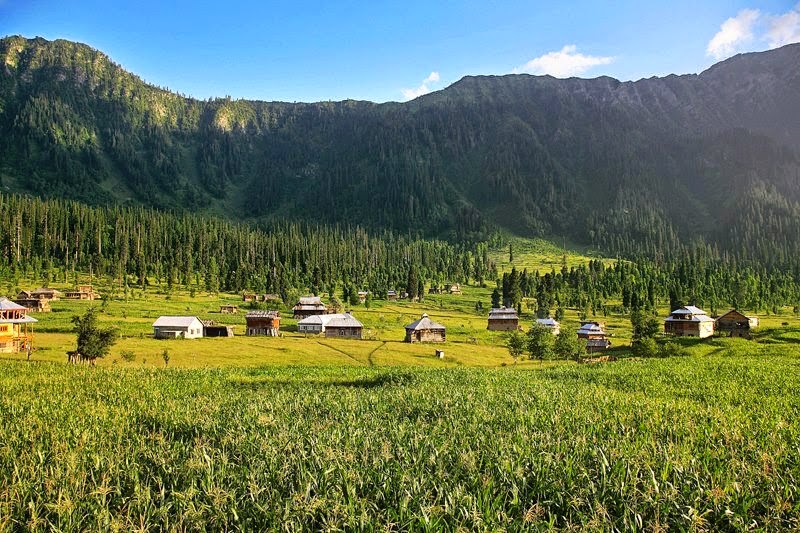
(444, 310)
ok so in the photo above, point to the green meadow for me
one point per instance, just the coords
(296, 432)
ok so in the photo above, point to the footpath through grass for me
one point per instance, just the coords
(696, 442)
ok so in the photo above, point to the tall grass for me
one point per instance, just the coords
(699, 442)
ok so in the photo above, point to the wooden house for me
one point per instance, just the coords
(689, 321)
(551, 324)
(597, 345)
(503, 319)
(269, 297)
(16, 330)
(177, 327)
(343, 325)
(82, 292)
(362, 296)
(249, 297)
(592, 331)
(211, 329)
(391, 296)
(312, 325)
(33, 305)
(45, 293)
(309, 306)
(736, 324)
(425, 330)
(229, 309)
(266, 323)
(454, 289)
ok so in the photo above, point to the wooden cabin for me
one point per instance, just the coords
(689, 321)
(33, 305)
(229, 309)
(249, 297)
(178, 327)
(503, 319)
(343, 325)
(362, 296)
(45, 293)
(211, 329)
(266, 323)
(425, 330)
(551, 324)
(309, 306)
(454, 289)
(82, 292)
(736, 324)
(16, 327)
(597, 345)
(269, 297)
(592, 331)
(392, 296)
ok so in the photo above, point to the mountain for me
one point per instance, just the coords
(641, 166)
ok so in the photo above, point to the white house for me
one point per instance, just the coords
(175, 327)
(551, 324)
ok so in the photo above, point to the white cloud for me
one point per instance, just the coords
(733, 35)
(783, 29)
(562, 64)
(424, 87)
(750, 29)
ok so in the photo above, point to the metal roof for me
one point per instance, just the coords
(591, 328)
(343, 320)
(689, 310)
(503, 313)
(6, 304)
(310, 300)
(425, 323)
(548, 322)
(175, 321)
(695, 318)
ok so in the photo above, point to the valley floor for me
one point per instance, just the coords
(699, 442)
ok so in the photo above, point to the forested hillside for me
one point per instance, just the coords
(636, 167)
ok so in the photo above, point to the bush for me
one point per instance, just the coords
(646, 347)
(128, 356)
(672, 349)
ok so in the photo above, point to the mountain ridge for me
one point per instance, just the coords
(602, 161)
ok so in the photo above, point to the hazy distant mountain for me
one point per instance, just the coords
(628, 165)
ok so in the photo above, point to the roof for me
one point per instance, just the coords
(343, 320)
(425, 323)
(734, 312)
(503, 313)
(262, 314)
(310, 300)
(175, 321)
(6, 304)
(45, 290)
(591, 328)
(689, 310)
(695, 318)
(548, 322)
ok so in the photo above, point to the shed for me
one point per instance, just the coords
(503, 319)
(229, 309)
(211, 329)
(391, 295)
(737, 324)
(425, 330)
(267, 323)
(82, 292)
(175, 327)
(34, 305)
(362, 296)
(689, 321)
(597, 345)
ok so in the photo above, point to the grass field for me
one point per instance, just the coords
(702, 442)
(313, 433)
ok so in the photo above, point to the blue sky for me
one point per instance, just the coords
(381, 50)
